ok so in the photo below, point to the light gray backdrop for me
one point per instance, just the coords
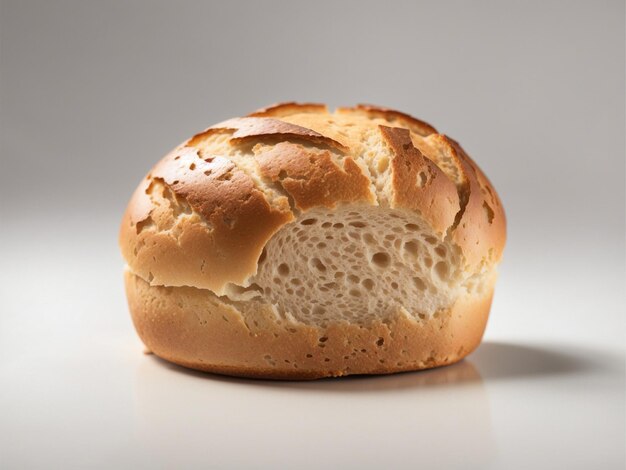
(93, 93)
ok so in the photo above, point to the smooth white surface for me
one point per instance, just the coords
(545, 390)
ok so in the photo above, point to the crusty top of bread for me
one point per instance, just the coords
(230, 188)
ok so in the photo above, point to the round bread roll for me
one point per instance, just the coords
(296, 243)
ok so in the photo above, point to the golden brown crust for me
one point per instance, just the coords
(196, 329)
(393, 117)
(249, 128)
(418, 184)
(291, 107)
(239, 222)
(311, 177)
(481, 230)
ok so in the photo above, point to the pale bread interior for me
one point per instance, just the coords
(358, 264)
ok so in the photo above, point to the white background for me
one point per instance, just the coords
(92, 94)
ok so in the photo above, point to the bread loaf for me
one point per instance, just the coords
(297, 243)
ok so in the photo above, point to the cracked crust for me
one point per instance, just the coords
(254, 128)
(395, 118)
(481, 229)
(196, 329)
(419, 184)
(311, 177)
(204, 214)
(285, 109)
(238, 223)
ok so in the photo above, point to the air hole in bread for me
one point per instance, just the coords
(380, 259)
(358, 224)
(412, 248)
(419, 283)
(317, 264)
(308, 222)
(430, 240)
(283, 269)
(369, 239)
(318, 311)
(441, 269)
